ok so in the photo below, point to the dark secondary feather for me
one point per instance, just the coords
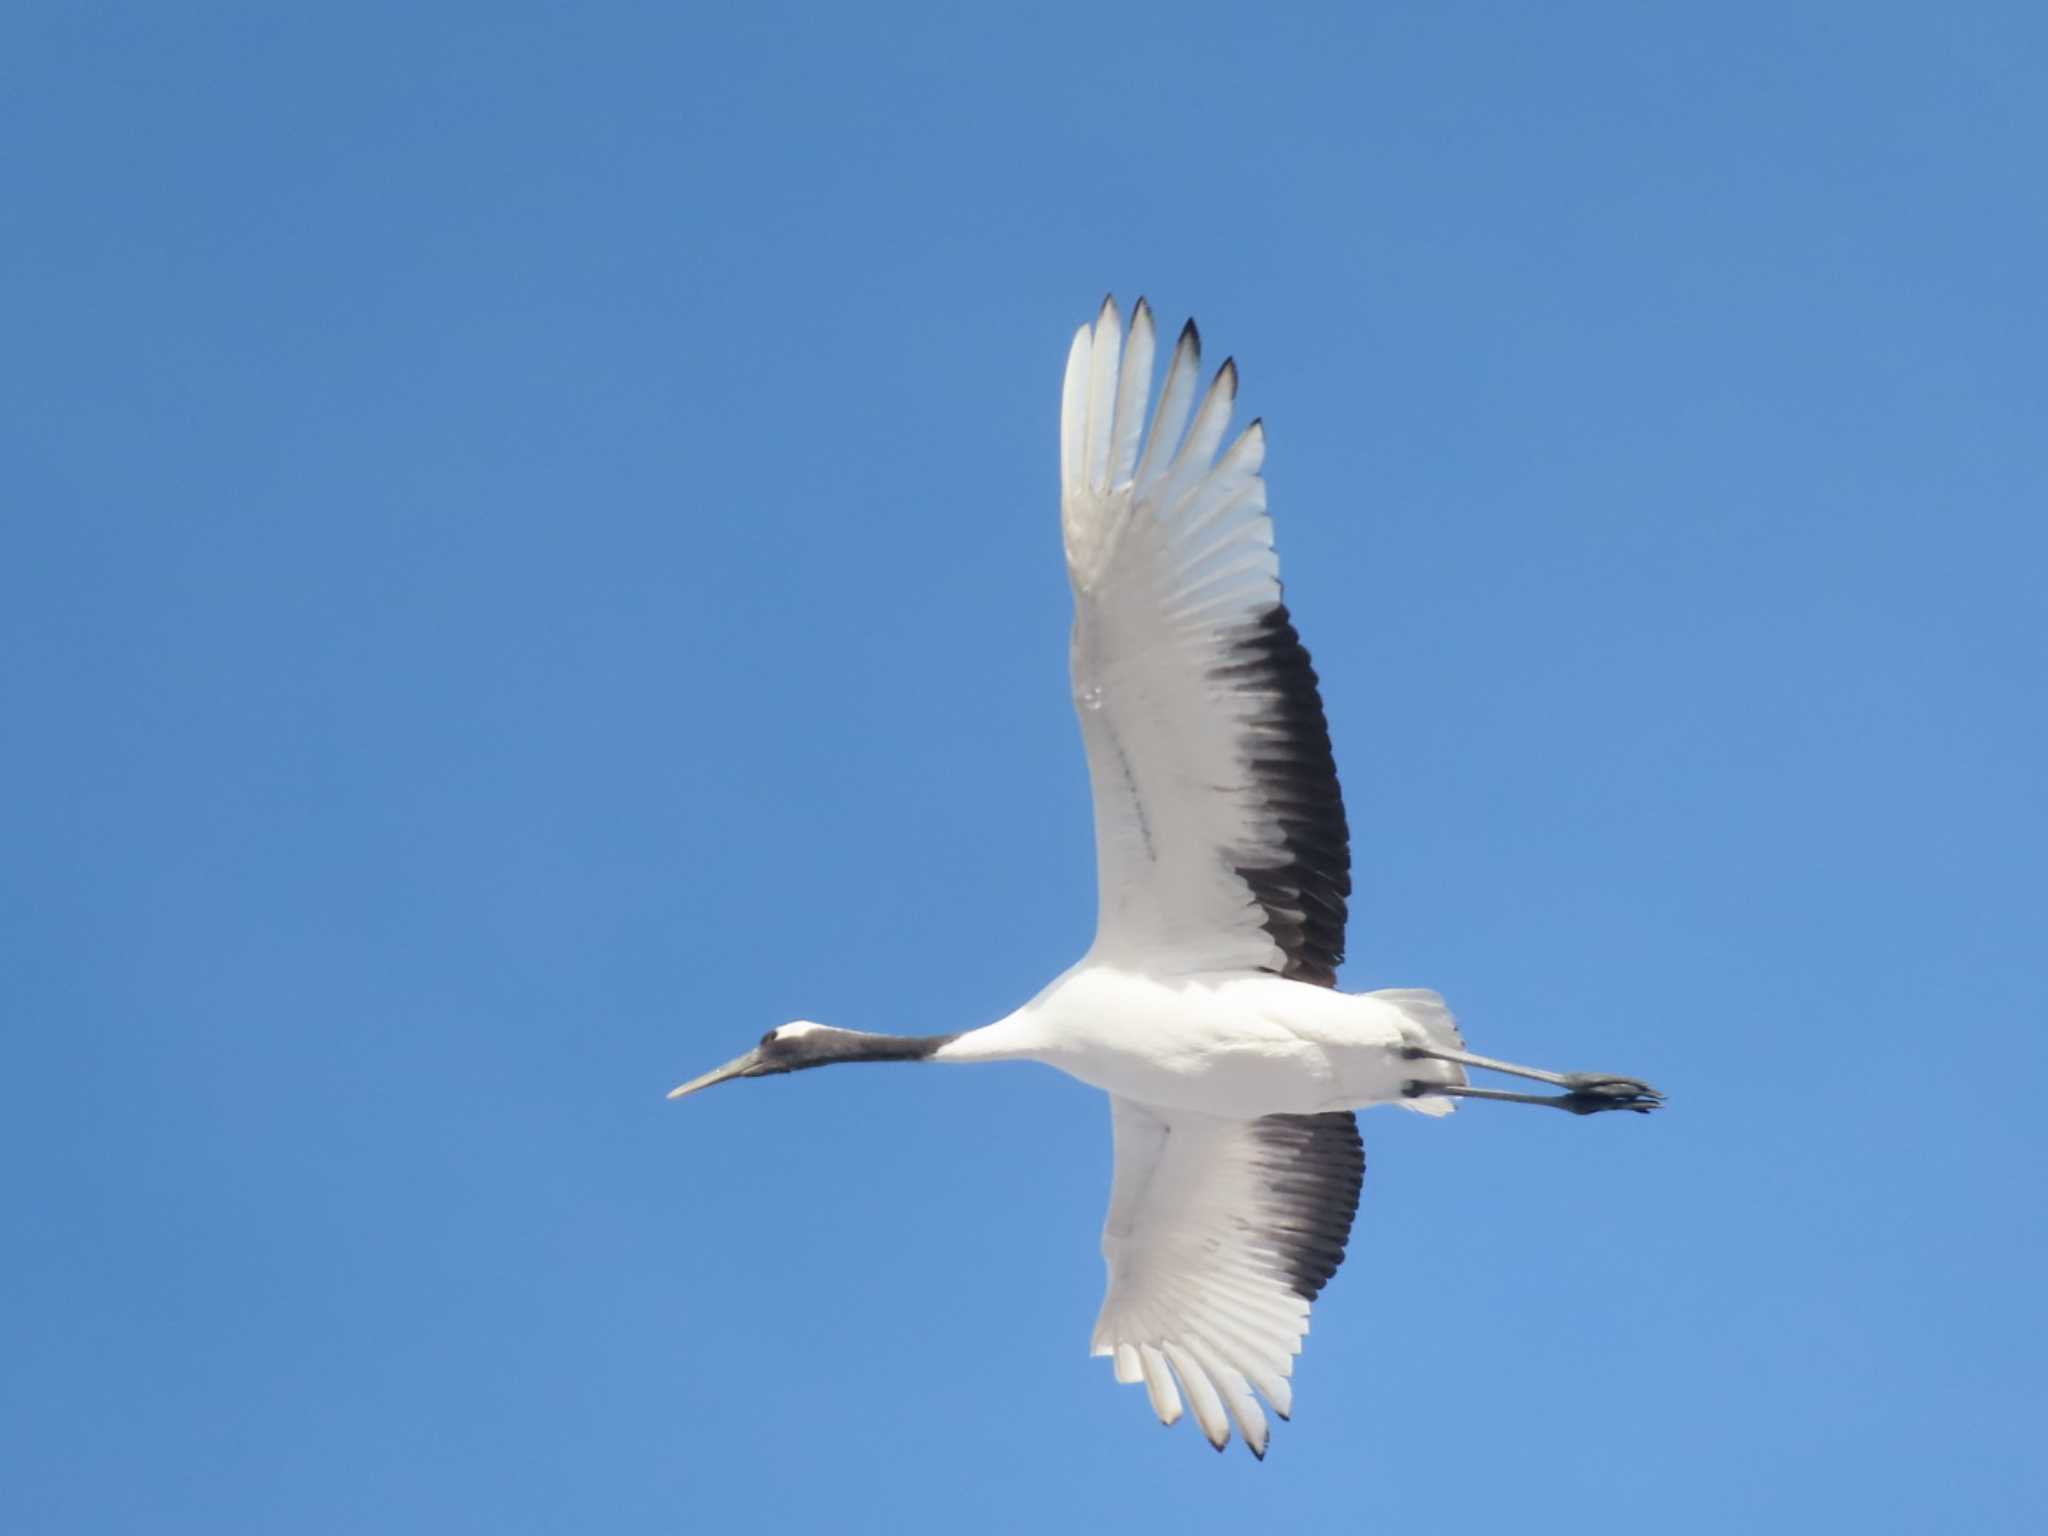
(1315, 1167)
(1304, 884)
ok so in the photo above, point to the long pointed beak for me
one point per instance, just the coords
(738, 1067)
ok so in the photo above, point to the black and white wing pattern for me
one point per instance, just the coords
(1220, 835)
(1220, 1234)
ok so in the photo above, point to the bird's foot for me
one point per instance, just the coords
(1588, 1093)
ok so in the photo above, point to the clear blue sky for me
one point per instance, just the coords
(531, 557)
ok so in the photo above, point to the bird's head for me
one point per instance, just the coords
(784, 1048)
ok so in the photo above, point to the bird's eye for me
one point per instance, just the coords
(769, 1038)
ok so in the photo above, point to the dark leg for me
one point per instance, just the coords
(1586, 1093)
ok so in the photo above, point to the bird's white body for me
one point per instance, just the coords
(1229, 1045)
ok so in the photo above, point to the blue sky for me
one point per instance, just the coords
(532, 557)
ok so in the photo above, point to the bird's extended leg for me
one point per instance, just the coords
(1586, 1093)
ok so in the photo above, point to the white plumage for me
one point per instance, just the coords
(1206, 1007)
(1172, 563)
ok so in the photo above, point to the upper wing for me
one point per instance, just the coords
(1220, 1234)
(1219, 828)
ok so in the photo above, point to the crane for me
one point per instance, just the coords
(1207, 1006)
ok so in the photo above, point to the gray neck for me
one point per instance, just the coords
(827, 1047)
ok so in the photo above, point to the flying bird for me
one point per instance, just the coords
(1207, 1007)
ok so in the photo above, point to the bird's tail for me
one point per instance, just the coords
(1429, 1017)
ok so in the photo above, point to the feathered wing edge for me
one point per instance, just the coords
(1298, 868)
(1220, 1235)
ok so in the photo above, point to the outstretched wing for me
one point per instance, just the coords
(1220, 1234)
(1219, 828)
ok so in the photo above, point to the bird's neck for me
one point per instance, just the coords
(1014, 1038)
(1008, 1039)
(856, 1045)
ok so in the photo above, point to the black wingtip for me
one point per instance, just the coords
(1228, 371)
(1191, 336)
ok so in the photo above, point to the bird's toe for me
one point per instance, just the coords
(1591, 1092)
